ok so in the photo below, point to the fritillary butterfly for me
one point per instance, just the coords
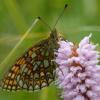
(35, 69)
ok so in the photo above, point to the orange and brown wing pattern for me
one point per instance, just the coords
(33, 71)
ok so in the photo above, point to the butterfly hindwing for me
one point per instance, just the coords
(34, 70)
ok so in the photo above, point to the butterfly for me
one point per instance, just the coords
(35, 69)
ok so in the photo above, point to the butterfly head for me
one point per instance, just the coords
(54, 39)
(55, 35)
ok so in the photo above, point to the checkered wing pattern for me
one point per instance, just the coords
(33, 71)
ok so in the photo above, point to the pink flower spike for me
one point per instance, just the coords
(78, 71)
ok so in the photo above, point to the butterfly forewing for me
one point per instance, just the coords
(35, 69)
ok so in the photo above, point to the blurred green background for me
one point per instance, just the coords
(80, 18)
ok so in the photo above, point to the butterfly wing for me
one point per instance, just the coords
(33, 71)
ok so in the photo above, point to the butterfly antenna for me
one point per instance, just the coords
(44, 23)
(60, 15)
